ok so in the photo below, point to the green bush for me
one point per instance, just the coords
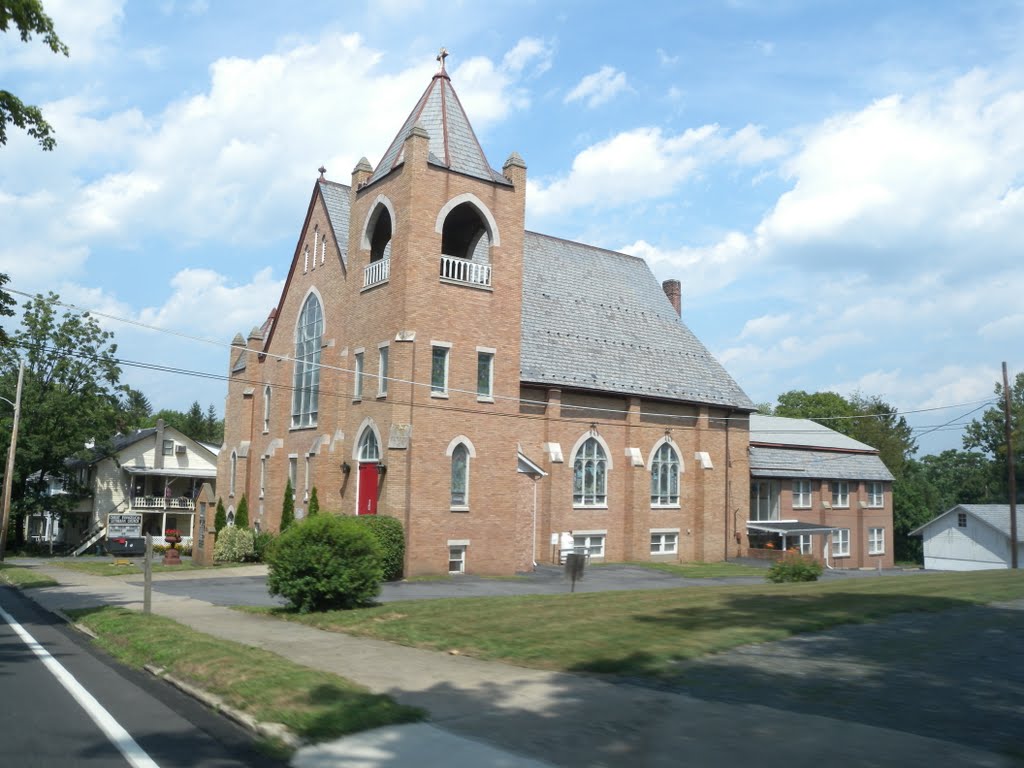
(794, 567)
(234, 545)
(262, 542)
(288, 508)
(314, 504)
(242, 513)
(391, 541)
(220, 519)
(325, 563)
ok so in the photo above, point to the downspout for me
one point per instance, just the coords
(408, 463)
(535, 521)
(728, 490)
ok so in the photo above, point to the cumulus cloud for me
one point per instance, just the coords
(598, 87)
(87, 27)
(644, 164)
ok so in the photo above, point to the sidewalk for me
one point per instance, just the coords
(487, 713)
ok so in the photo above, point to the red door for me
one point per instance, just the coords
(367, 489)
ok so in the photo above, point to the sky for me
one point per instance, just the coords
(839, 186)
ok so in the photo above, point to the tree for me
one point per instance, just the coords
(964, 477)
(288, 509)
(988, 434)
(6, 304)
(220, 519)
(70, 398)
(203, 428)
(242, 513)
(314, 504)
(135, 411)
(828, 408)
(915, 501)
(29, 18)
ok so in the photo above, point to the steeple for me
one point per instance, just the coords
(453, 144)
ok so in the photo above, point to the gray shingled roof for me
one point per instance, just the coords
(336, 200)
(599, 320)
(453, 144)
(801, 462)
(779, 430)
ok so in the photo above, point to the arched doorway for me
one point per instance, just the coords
(369, 473)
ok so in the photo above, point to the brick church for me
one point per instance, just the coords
(490, 387)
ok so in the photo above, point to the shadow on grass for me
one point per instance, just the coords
(348, 711)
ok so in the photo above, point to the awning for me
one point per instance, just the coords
(527, 467)
(789, 527)
(172, 471)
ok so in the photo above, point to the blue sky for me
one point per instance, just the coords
(839, 186)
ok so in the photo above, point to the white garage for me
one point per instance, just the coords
(970, 537)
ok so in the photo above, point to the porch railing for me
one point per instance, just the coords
(465, 271)
(377, 272)
(161, 502)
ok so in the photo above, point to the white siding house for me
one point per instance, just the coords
(970, 537)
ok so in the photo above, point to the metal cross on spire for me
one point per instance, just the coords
(441, 57)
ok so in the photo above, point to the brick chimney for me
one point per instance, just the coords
(674, 292)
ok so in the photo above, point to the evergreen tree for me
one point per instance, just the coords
(242, 513)
(314, 504)
(288, 510)
(220, 520)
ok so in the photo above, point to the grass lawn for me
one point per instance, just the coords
(24, 578)
(719, 570)
(647, 632)
(314, 704)
(131, 566)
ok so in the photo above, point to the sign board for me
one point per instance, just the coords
(124, 526)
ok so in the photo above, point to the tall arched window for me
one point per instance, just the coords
(234, 473)
(590, 475)
(460, 476)
(369, 448)
(266, 408)
(665, 476)
(308, 338)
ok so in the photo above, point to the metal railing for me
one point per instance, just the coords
(377, 272)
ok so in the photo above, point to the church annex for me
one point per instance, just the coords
(490, 387)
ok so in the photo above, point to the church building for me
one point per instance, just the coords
(491, 388)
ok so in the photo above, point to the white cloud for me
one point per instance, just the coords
(530, 52)
(665, 59)
(643, 164)
(703, 270)
(599, 87)
(766, 326)
(87, 27)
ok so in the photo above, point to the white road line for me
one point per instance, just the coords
(118, 736)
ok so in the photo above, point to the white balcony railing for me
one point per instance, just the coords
(161, 502)
(465, 271)
(377, 272)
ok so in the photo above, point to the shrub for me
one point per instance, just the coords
(234, 545)
(220, 519)
(242, 513)
(390, 540)
(288, 508)
(325, 563)
(314, 504)
(794, 567)
(262, 542)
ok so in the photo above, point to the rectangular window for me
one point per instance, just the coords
(306, 486)
(801, 494)
(664, 543)
(764, 500)
(840, 494)
(263, 476)
(168, 448)
(591, 544)
(439, 370)
(805, 544)
(876, 498)
(382, 371)
(961, 519)
(484, 375)
(876, 541)
(457, 559)
(293, 471)
(841, 542)
(357, 376)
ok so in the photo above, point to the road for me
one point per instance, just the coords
(43, 726)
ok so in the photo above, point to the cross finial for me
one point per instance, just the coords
(322, 172)
(441, 56)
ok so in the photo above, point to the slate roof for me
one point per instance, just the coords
(995, 515)
(803, 462)
(779, 430)
(337, 203)
(598, 320)
(453, 144)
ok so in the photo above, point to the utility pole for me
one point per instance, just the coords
(9, 474)
(1012, 467)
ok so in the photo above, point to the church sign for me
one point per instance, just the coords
(124, 526)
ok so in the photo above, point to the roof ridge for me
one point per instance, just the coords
(586, 245)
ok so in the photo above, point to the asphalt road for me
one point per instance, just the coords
(42, 726)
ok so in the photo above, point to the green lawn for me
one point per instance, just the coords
(718, 570)
(646, 632)
(314, 704)
(24, 578)
(130, 566)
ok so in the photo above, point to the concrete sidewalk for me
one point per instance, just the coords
(486, 713)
